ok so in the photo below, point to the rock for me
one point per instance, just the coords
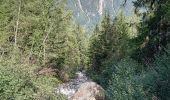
(155, 98)
(89, 91)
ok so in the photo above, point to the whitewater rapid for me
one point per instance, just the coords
(69, 88)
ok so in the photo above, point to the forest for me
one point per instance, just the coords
(41, 46)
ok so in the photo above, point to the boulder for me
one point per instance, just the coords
(155, 98)
(89, 91)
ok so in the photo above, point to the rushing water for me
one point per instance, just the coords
(71, 87)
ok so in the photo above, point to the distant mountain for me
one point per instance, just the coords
(89, 12)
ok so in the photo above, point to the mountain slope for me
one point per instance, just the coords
(90, 12)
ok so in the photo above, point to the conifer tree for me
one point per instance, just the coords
(110, 41)
(81, 39)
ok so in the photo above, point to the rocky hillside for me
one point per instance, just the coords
(89, 12)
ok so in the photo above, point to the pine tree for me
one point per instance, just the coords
(100, 44)
(81, 39)
(40, 30)
(110, 41)
(154, 28)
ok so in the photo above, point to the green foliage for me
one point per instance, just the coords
(82, 45)
(40, 33)
(156, 81)
(109, 42)
(125, 83)
(100, 44)
(154, 30)
(128, 82)
(111, 46)
(36, 33)
(20, 82)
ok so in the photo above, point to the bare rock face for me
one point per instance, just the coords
(89, 91)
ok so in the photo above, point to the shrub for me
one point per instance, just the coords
(157, 80)
(125, 82)
(19, 82)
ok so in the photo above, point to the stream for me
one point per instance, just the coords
(69, 88)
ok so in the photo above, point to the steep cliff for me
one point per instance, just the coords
(89, 12)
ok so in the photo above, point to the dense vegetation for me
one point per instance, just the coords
(37, 37)
(41, 47)
(129, 66)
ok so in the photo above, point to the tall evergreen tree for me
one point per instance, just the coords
(81, 39)
(154, 28)
(110, 41)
